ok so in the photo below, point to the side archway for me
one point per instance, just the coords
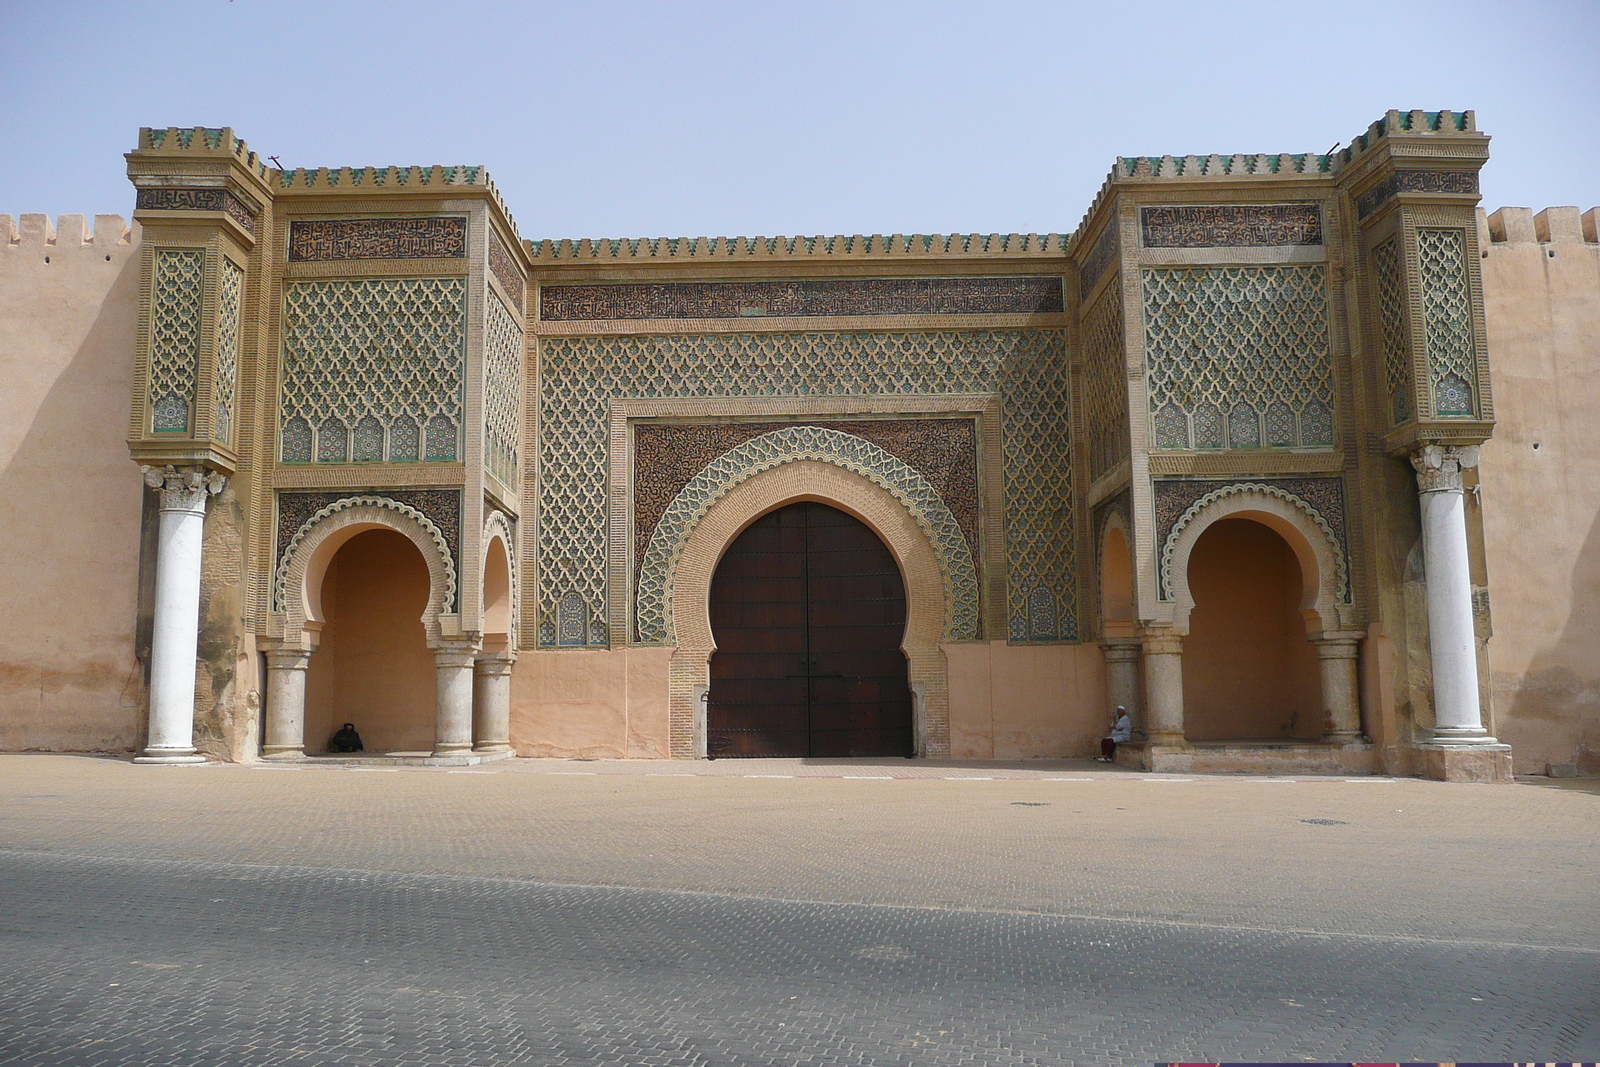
(765, 491)
(500, 608)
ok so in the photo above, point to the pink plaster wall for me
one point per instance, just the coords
(70, 497)
(1540, 478)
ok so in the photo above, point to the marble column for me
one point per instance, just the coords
(491, 704)
(1163, 687)
(286, 702)
(454, 662)
(177, 609)
(1452, 642)
(1341, 694)
(1122, 676)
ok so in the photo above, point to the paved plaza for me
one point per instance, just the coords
(785, 912)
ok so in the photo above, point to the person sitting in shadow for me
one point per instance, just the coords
(346, 740)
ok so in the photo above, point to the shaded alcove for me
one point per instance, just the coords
(1116, 585)
(1249, 672)
(372, 665)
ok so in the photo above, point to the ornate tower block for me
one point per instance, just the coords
(1413, 180)
(202, 198)
(343, 349)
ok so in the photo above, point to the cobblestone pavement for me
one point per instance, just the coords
(524, 913)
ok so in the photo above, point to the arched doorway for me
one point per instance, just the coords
(372, 666)
(1249, 671)
(808, 611)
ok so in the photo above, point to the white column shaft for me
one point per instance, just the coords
(453, 715)
(1341, 696)
(1163, 677)
(1122, 677)
(491, 706)
(286, 705)
(1452, 644)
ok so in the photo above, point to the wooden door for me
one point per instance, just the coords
(808, 610)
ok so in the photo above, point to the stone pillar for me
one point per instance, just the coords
(491, 703)
(1452, 644)
(453, 713)
(1341, 693)
(1122, 676)
(286, 702)
(1163, 687)
(177, 610)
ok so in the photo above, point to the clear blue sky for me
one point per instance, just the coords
(688, 119)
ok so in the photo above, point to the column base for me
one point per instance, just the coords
(283, 752)
(1464, 762)
(447, 750)
(488, 747)
(169, 756)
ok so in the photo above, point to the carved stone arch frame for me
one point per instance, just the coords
(497, 524)
(1322, 565)
(766, 491)
(298, 583)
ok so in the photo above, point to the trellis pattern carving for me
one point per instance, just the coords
(176, 291)
(921, 499)
(286, 551)
(376, 362)
(230, 293)
(502, 388)
(1392, 319)
(1105, 383)
(581, 375)
(1447, 319)
(1237, 357)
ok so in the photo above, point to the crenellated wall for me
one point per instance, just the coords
(69, 496)
(1540, 480)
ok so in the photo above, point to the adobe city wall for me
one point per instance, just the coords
(70, 497)
(1540, 476)
(70, 506)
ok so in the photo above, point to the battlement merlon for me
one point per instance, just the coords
(171, 165)
(1435, 141)
(719, 251)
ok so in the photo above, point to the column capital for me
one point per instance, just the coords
(1122, 650)
(1439, 467)
(1163, 642)
(1338, 644)
(494, 664)
(456, 652)
(184, 488)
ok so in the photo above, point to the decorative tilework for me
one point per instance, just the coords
(502, 390)
(1447, 321)
(505, 271)
(667, 455)
(1099, 258)
(802, 297)
(581, 375)
(230, 293)
(299, 512)
(197, 200)
(654, 603)
(1391, 316)
(323, 240)
(1417, 181)
(1105, 383)
(389, 348)
(1231, 225)
(1178, 500)
(176, 292)
(1236, 340)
